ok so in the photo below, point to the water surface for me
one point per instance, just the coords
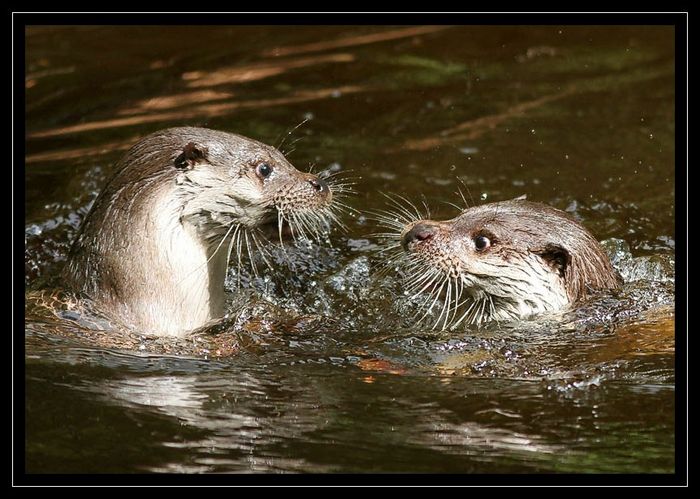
(580, 117)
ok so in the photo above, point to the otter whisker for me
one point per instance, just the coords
(448, 300)
(466, 205)
(492, 307)
(230, 247)
(304, 221)
(394, 214)
(262, 250)
(232, 225)
(290, 132)
(250, 255)
(458, 294)
(291, 149)
(341, 189)
(399, 210)
(326, 174)
(454, 205)
(296, 226)
(391, 234)
(465, 314)
(415, 215)
(320, 222)
(387, 238)
(423, 282)
(390, 262)
(409, 203)
(427, 209)
(430, 278)
(213, 254)
(436, 293)
(337, 204)
(395, 219)
(387, 248)
(280, 226)
(395, 222)
(484, 302)
(338, 210)
(341, 182)
(239, 254)
(340, 179)
(334, 218)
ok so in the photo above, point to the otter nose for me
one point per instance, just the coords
(419, 232)
(319, 185)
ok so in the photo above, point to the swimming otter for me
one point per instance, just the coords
(498, 261)
(150, 251)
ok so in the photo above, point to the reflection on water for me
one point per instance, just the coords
(323, 370)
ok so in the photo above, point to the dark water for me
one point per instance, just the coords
(578, 117)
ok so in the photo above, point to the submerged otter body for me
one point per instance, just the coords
(501, 261)
(153, 249)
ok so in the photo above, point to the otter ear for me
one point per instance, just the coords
(190, 156)
(556, 256)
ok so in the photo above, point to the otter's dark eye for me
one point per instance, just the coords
(482, 243)
(264, 170)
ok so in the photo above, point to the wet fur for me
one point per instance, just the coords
(540, 260)
(150, 250)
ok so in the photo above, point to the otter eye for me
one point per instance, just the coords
(482, 243)
(264, 170)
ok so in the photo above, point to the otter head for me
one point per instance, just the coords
(153, 251)
(502, 261)
(226, 181)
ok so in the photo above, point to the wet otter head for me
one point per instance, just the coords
(498, 261)
(154, 248)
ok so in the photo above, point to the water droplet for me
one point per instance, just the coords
(484, 196)
(469, 150)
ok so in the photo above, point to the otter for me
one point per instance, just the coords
(149, 252)
(498, 261)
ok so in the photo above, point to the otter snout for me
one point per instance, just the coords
(421, 231)
(319, 185)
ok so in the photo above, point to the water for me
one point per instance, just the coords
(325, 371)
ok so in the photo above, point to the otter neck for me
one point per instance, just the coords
(193, 290)
(519, 291)
(156, 272)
